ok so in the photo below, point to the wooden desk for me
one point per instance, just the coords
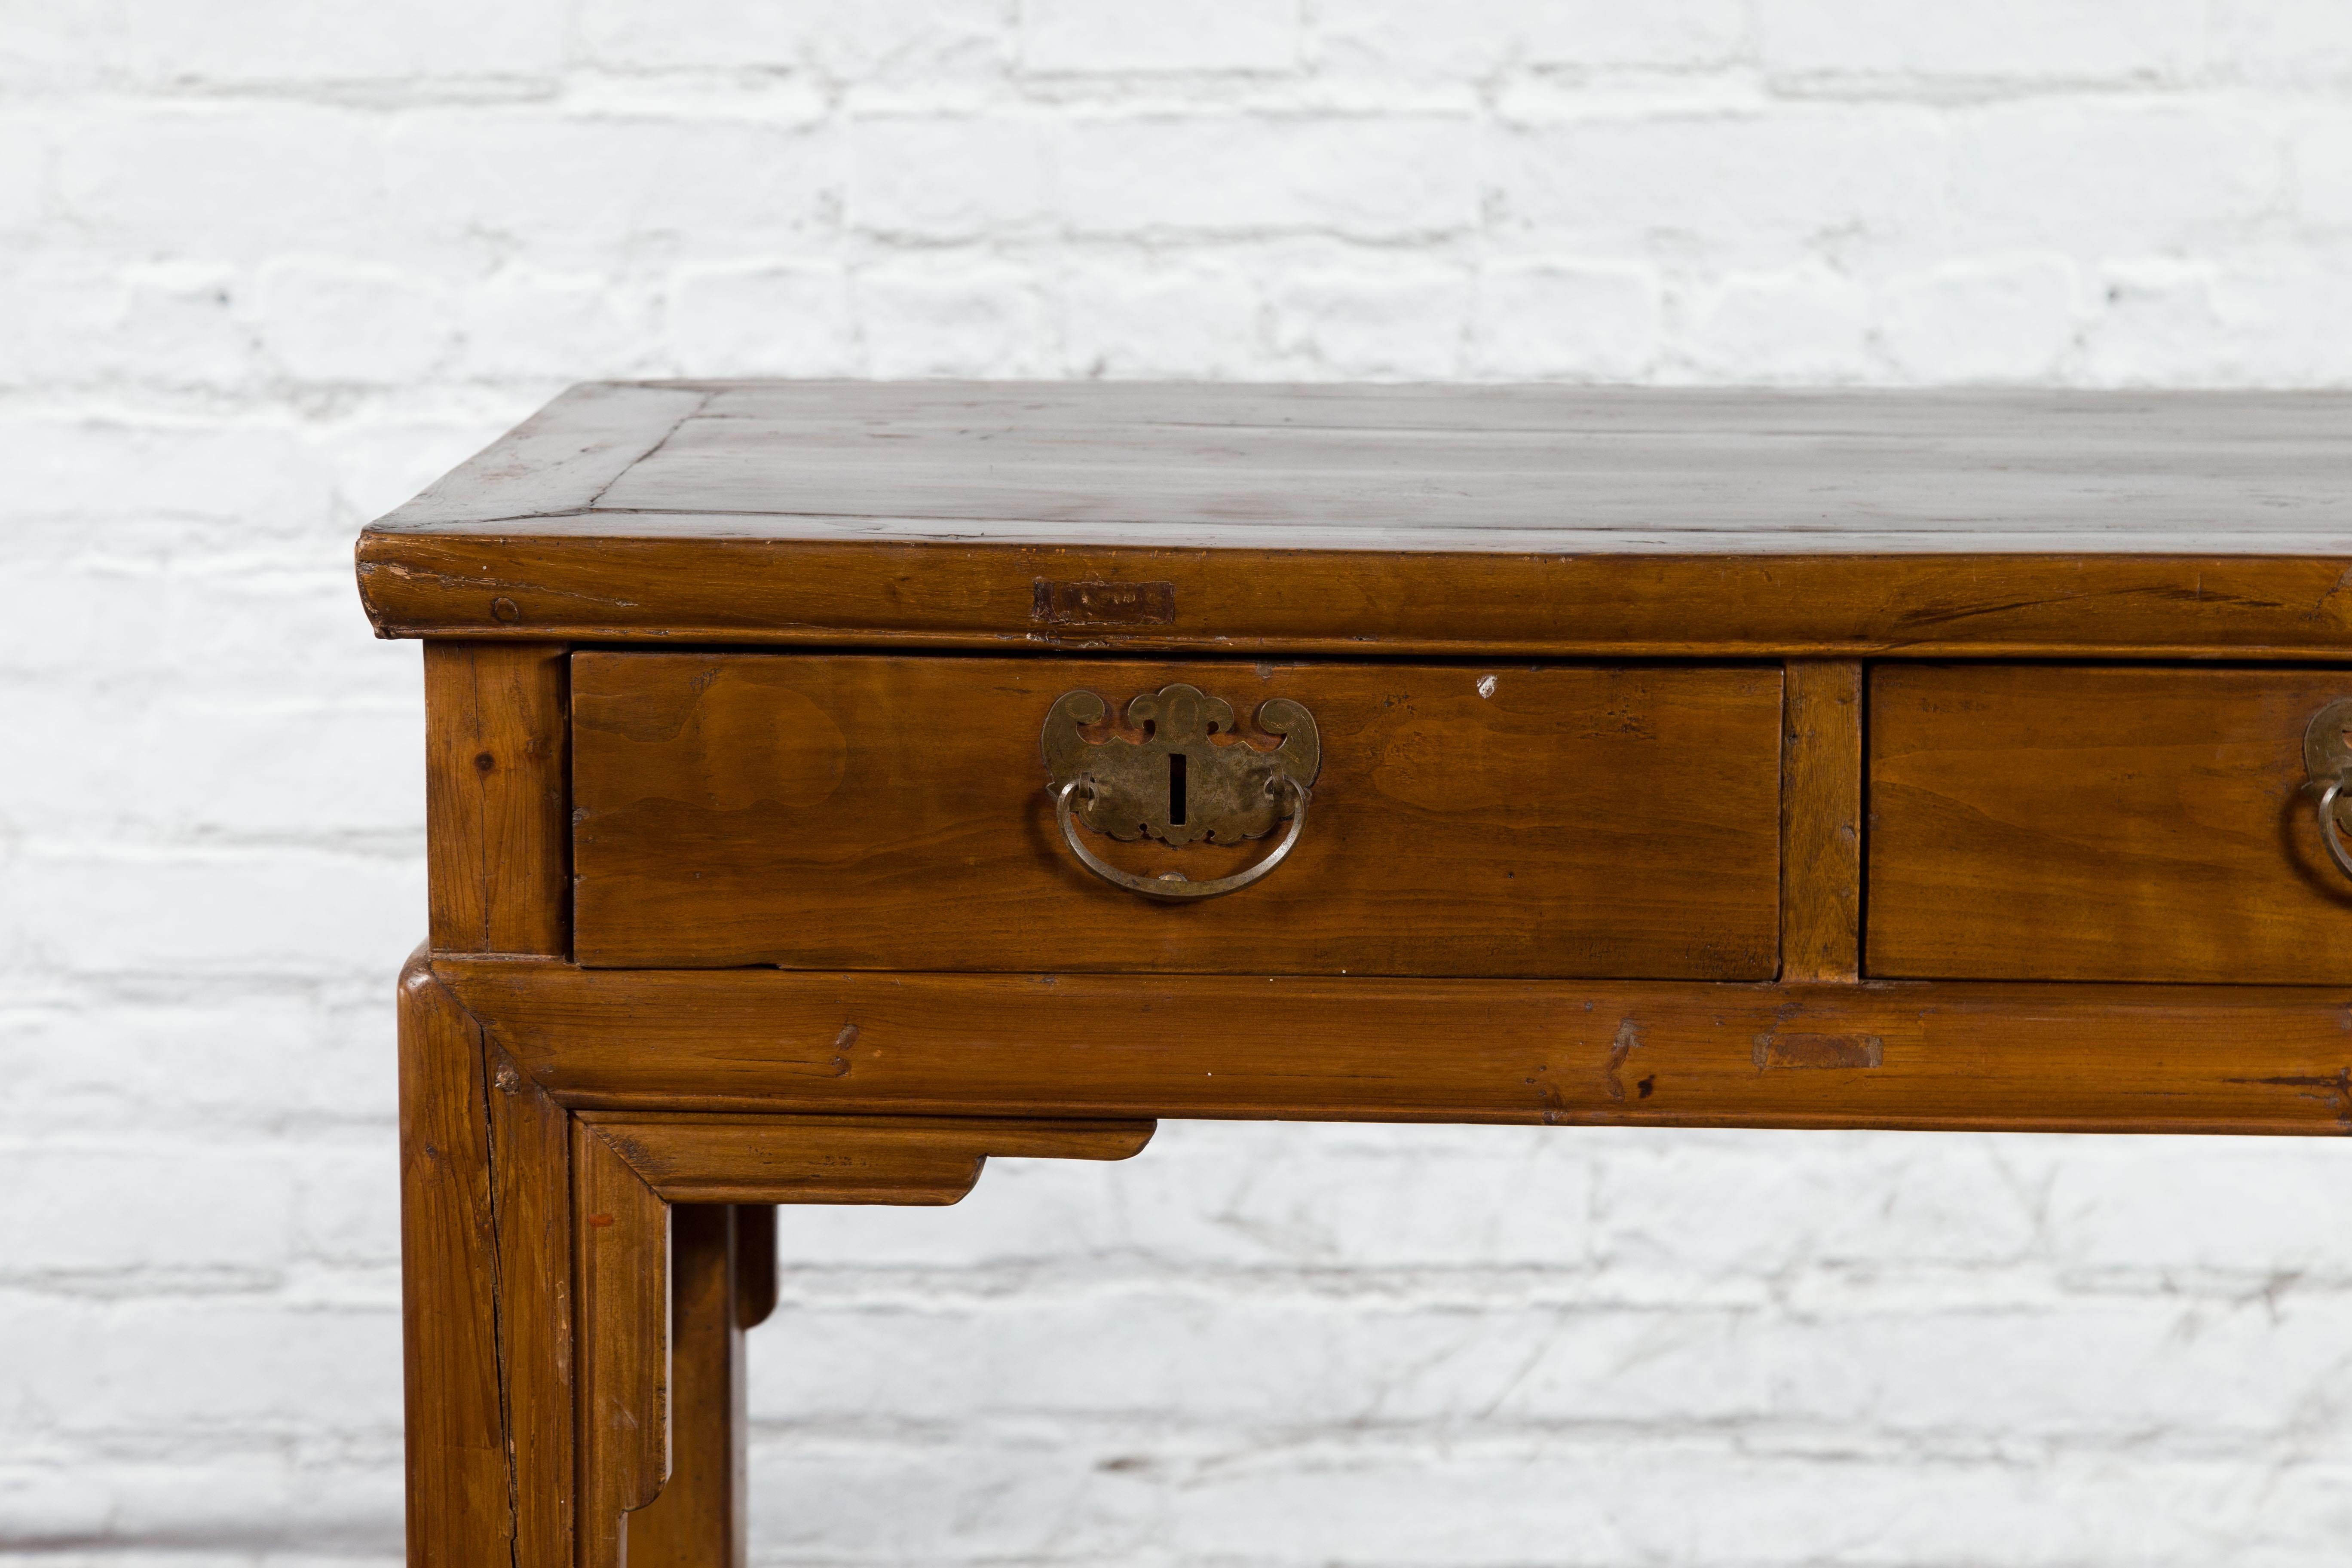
(821, 776)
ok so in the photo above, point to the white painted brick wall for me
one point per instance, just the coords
(269, 265)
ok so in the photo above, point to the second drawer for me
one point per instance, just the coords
(2034, 822)
(820, 811)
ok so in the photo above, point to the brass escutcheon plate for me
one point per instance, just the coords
(2327, 742)
(1176, 784)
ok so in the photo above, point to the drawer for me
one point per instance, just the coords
(814, 811)
(2062, 823)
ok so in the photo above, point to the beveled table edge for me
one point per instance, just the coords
(870, 593)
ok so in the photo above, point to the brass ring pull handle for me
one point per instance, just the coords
(2329, 833)
(2328, 763)
(1170, 886)
(1179, 771)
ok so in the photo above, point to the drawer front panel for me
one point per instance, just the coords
(853, 812)
(2137, 824)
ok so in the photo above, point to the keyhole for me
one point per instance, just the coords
(1176, 789)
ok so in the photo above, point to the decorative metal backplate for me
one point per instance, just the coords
(2327, 742)
(1176, 785)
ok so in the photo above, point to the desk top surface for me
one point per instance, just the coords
(1364, 519)
(1417, 469)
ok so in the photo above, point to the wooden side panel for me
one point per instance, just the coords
(843, 812)
(460, 1509)
(497, 839)
(2180, 1058)
(622, 1300)
(699, 1518)
(2129, 824)
(1821, 822)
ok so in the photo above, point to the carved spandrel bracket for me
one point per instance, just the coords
(629, 1168)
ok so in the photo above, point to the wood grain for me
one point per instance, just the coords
(496, 835)
(530, 1162)
(893, 813)
(1821, 822)
(459, 1509)
(617, 585)
(843, 1159)
(562, 456)
(1276, 467)
(2181, 1058)
(1408, 468)
(498, 869)
(2101, 824)
(621, 1295)
(701, 1518)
